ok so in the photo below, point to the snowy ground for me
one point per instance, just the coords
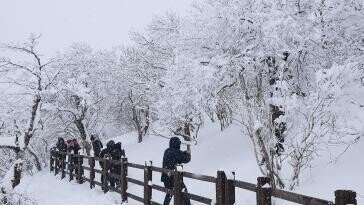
(48, 189)
(227, 150)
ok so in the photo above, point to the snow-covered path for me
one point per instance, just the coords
(48, 189)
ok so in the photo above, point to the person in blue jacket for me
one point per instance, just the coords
(172, 157)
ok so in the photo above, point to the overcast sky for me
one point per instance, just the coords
(101, 23)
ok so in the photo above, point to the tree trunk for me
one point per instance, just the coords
(81, 128)
(27, 136)
(36, 159)
(29, 133)
(268, 162)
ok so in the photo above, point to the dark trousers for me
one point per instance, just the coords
(73, 168)
(116, 170)
(97, 153)
(167, 199)
(59, 160)
(110, 179)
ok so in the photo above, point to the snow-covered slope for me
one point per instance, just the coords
(48, 189)
(346, 173)
(228, 151)
(216, 150)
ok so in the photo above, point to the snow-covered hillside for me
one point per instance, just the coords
(228, 150)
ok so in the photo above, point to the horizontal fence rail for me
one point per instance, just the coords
(225, 188)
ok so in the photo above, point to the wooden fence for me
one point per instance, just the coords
(225, 188)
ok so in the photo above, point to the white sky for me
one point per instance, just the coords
(101, 23)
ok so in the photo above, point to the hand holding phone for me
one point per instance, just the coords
(189, 149)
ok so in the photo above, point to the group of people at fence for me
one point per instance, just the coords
(112, 151)
(173, 156)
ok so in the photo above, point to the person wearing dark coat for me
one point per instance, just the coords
(61, 146)
(73, 148)
(105, 153)
(96, 145)
(172, 157)
(116, 154)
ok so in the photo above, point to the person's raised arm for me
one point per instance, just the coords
(185, 157)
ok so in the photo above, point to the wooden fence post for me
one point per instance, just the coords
(63, 165)
(56, 165)
(105, 168)
(220, 188)
(178, 185)
(264, 194)
(70, 166)
(123, 181)
(51, 161)
(343, 197)
(229, 192)
(79, 168)
(91, 162)
(147, 186)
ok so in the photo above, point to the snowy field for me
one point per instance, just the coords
(215, 150)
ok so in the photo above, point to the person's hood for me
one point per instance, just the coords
(75, 142)
(94, 137)
(60, 140)
(175, 143)
(110, 144)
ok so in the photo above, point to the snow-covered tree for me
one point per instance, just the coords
(26, 77)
